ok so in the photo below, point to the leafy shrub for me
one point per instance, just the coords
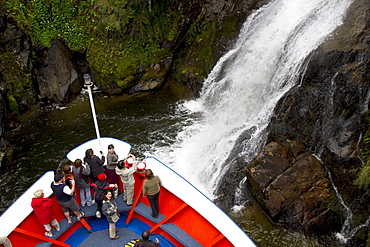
(119, 36)
(363, 179)
(48, 20)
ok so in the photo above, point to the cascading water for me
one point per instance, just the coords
(245, 85)
(348, 230)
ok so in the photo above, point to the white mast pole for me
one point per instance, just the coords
(88, 84)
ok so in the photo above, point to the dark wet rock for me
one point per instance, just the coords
(58, 79)
(153, 77)
(2, 124)
(274, 159)
(322, 115)
(293, 190)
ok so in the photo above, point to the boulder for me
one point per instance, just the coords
(153, 76)
(58, 79)
(293, 190)
(268, 164)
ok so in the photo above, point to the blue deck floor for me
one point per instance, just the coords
(100, 236)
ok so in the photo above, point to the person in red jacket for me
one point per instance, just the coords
(43, 209)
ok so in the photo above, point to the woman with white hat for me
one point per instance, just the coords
(126, 171)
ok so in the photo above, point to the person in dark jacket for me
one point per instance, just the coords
(95, 163)
(112, 160)
(110, 210)
(100, 187)
(146, 242)
(81, 174)
(43, 209)
(65, 198)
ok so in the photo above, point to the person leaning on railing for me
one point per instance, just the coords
(151, 187)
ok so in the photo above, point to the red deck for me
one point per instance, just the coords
(30, 232)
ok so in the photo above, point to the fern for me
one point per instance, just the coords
(363, 180)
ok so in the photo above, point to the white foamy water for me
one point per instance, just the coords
(245, 85)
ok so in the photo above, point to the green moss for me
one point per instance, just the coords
(197, 60)
(128, 81)
(118, 50)
(18, 85)
(52, 19)
(363, 179)
(121, 37)
(13, 105)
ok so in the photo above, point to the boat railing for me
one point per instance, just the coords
(136, 201)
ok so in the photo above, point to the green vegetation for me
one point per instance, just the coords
(118, 35)
(47, 20)
(122, 38)
(198, 58)
(127, 36)
(363, 179)
(19, 85)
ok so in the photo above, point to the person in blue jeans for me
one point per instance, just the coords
(81, 174)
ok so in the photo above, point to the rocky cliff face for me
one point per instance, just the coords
(53, 75)
(58, 79)
(322, 114)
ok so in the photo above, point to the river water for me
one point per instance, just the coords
(149, 122)
(194, 136)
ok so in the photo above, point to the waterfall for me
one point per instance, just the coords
(243, 88)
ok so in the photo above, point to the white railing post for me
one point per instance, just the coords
(89, 84)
